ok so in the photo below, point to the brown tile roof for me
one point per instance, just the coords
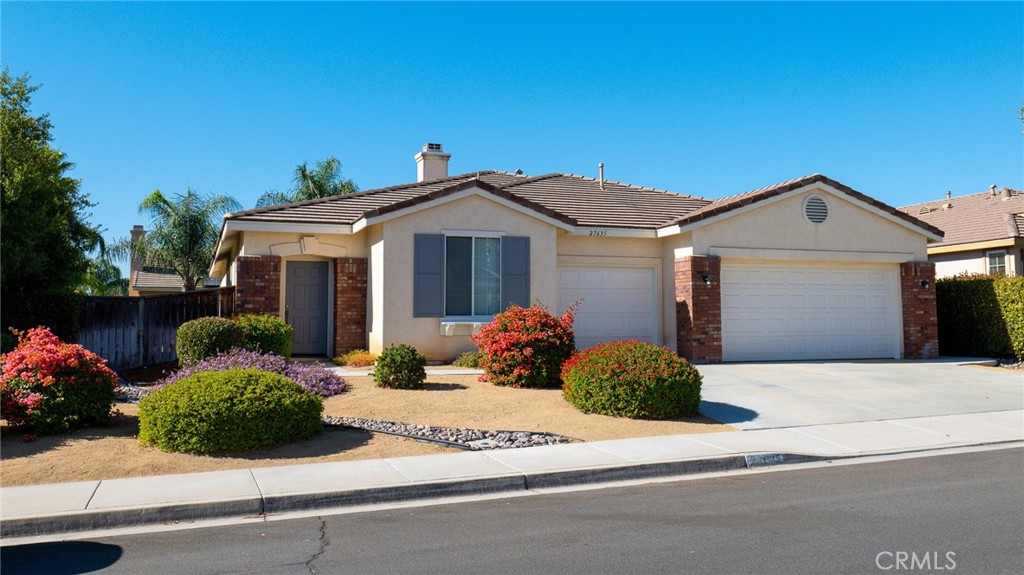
(148, 280)
(730, 203)
(975, 217)
(575, 200)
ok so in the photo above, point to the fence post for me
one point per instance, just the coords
(143, 340)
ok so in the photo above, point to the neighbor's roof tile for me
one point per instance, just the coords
(976, 217)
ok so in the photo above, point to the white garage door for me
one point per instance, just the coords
(618, 303)
(802, 311)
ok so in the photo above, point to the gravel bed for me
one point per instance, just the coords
(474, 439)
(1010, 364)
(460, 437)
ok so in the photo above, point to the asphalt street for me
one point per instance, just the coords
(960, 513)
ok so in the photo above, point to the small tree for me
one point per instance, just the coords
(526, 347)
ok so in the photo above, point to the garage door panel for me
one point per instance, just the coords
(618, 303)
(774, 311)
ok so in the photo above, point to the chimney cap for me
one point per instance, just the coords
(433, 147)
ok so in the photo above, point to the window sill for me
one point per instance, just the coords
(463, 326)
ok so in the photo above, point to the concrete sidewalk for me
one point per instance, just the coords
(88, 505)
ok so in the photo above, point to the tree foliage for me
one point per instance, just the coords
(45, 236)
(103, 277)
(182, 236)
(322, 181)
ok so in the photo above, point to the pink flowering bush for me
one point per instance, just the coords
(631, 379)
(526, 347)
(314, 377)
(50, 386)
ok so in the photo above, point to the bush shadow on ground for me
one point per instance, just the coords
(59, 558)
(333, 440)
(726, 412)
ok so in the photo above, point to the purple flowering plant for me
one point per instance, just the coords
(314, 377)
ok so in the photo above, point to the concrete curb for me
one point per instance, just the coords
(87, 520)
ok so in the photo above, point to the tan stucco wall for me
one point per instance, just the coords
(781, 225)
(472, 213)
(260, 243)
(974, 262)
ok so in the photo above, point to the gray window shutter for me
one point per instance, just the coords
(428, 275)
(515, 271)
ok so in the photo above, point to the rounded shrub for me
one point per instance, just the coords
(356, 358)
(266, 333)
(51, 386)
(631, 379)
(207, 336)
(468, 359)
(400, 367)
(526, 346)
(224, 411)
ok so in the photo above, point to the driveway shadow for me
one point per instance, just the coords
(727, 412)
(58, 558)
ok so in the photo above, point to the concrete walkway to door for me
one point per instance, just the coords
(791, 394)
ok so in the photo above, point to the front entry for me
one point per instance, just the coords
(306, 288)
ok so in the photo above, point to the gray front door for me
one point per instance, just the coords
(305, 297)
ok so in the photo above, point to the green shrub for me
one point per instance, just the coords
(400, 367)
(356, 358)
(526, 346)
(468, 359)
(206, 337)
(266, 333)
(225, 411)
(1010, 294)
(980, 315)
(631, 379)
(51, 386)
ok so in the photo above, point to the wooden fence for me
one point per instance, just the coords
(141, 331)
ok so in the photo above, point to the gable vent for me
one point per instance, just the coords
(815, 209)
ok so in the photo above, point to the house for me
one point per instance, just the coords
(984, 233)
(805, 269)
(147, 280)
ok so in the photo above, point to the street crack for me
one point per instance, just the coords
(324, 542)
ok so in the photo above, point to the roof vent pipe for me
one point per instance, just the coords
(600, 173)
(992, 189)
(949, 194)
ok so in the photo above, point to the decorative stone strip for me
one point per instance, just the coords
(461, 437)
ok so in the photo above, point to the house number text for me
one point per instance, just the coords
(598, 232)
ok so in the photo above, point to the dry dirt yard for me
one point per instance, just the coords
(446, 400)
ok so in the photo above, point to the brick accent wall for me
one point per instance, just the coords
(699, 309)
(920, 318)
(350, 283)
(258, 285)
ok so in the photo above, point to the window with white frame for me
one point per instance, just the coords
(472, 286)
(996, 262)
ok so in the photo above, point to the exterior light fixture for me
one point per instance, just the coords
(708, 278)
(924, 284)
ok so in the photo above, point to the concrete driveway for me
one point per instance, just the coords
(791, 394)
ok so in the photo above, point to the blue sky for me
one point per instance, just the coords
(900, 101)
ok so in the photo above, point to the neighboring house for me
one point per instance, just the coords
(984, 232)
(146, 280)
(805, 269)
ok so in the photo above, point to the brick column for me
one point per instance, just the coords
(699, 309)
(920, 318)
(350, 283)
(258, 285)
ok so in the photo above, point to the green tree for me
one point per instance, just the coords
(183, 234)
(322, 181)
(45, 237)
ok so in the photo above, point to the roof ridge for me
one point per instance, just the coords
(529, 179)
(363, 193)
(988, 193)
(636, 187)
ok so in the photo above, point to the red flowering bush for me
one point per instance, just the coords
(52, 386)
(631, 379)
(526, 346)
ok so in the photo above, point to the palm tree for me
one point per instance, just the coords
(183, 233)
(322, 181)
(103, 278)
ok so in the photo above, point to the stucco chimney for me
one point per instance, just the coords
(431, 162)
(138, 232)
